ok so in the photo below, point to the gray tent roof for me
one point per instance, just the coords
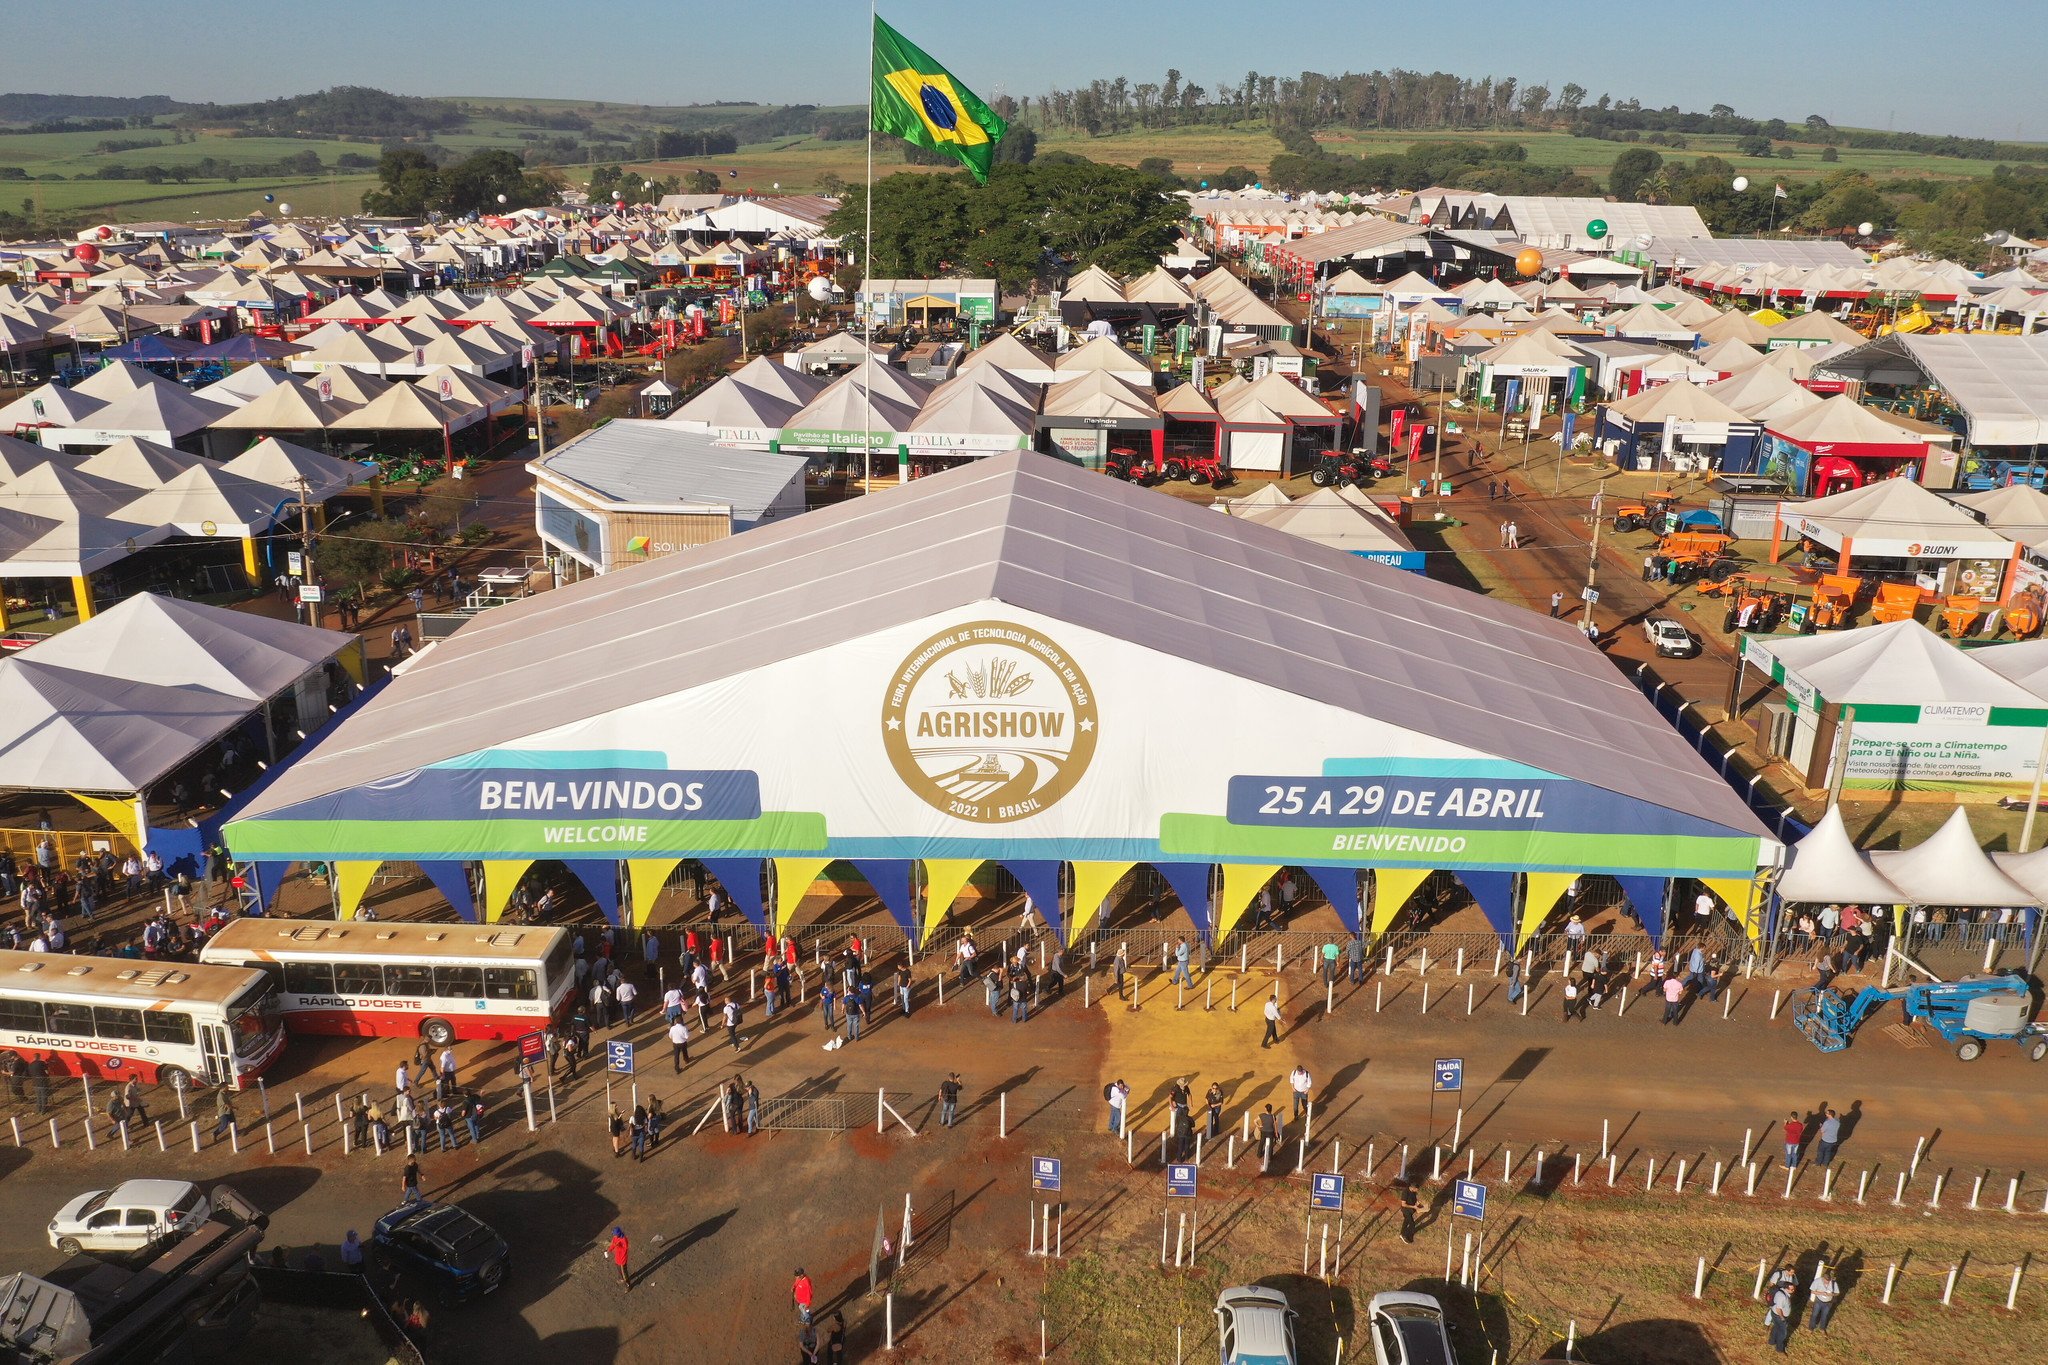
(61, 729)
(1039, 535)
(175, 643)
(656, 463)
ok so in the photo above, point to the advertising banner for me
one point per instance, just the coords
(1938, 757)
(993, 733)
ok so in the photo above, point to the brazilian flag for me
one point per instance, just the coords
(919, 101)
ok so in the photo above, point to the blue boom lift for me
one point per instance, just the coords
(1966, 1013)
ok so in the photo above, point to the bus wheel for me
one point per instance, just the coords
(439, 1032)
(176, 1077)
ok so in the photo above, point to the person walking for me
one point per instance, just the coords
(949, 1099)
(1779, 1318)
(1119, 1095)
(1556, 605)
(753, 1109)
(732, 1024)
(1121, 965)
(1795, 1137)
(639, 1127)
(409, 1182)
(1410, 1200)
(1213, 1103)
(1354, 956)
(1180, 964)
(223, 1112)
(1571, 997)
(1272, 1034)
(678, 1043)
(1299, 1082)
(622, 1254)
(1269, 1136)
(1514, 536)
(1674, 996)
(1330, 962)
(800, 1294)
(1503, 535)
(1493, 490)
(627, 993)
(1823, 1294)
(615, 1123)
(856, 1013)
(1019, 1005)
(903, 988)
(1830, 1139)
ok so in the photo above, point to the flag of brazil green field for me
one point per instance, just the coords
(920, 101)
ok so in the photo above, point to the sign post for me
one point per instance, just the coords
(1045, 1174)
(1326, 1192)
(1447, 1077)
(618, 1056)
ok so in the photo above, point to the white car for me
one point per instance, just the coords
(1408, 1329)
(133, 1216)
(1670, 639)
(1255, 1326)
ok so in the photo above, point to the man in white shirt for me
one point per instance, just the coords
(402, 1080)
(1119, 1096)
(1272, 1020)
(627, 993)
(678, 1041)
(1298, 1080)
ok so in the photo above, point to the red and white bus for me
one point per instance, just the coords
(436, 981)
(115, 1017)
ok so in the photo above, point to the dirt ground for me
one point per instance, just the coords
(721, 1221)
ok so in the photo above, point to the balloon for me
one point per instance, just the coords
(1741, 183)
(1865, 229)
(1529, 262)
(501, 198)
(85, 252)
(284, 208)
(105, 233)
(1597, 229)
(270, 199)
(732, 175)
(776, 186)
(1425, 219)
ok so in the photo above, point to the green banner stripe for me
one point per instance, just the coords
(776, 832)
(1208, 836)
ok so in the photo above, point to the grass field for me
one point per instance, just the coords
(795, 163)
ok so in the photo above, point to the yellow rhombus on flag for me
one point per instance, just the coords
(920, 101)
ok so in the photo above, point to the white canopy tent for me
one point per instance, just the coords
(1827, 867)
(1949, 867)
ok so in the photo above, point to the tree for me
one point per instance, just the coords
(1829, 153)
(702, 182)
(408, 183)
(1634, 166)
(831, 184)
(1850, 199)
(356, 560)
(1754, 145)
(1158, 167)
(1721, 111)
(1570, 98)
(1018, 148)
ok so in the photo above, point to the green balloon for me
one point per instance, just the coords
(1597, 229)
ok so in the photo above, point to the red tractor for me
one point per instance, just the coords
(1202, 469)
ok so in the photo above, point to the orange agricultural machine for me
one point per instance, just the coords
(1693, 555)
(1895, 602)
(1834, 598)
(1647, 515)
(1960, 614)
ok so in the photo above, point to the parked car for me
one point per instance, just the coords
(1255, 1326)
(1670, 639)
(1408, 1329)
(446, 1246)
(133, 1216)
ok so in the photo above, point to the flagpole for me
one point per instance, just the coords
(867, 257)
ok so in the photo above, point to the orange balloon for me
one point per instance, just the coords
(1529, 261)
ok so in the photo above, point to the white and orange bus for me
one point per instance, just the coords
(114, 1017)
(436, 981)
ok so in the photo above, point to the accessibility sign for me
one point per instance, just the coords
(1468, 1199)
(1449, 1074)
(1327, 1192)
(618, 1056)
(1180, 1181)
(1045, 1173)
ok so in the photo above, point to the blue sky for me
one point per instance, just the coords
(1937, 68)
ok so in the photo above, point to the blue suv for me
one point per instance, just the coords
(445, 1246)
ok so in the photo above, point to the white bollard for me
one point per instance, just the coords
(1575, 1167)
(1699, 1278)
(1749, 1191)
(1003, 1114)
(2012, 1295)
(1496, 961)
(1935, 1202)
(889, 1320)
(299, 1103)
(269, 1137)
(160, 1136)
(1603, 1138)
(1130, 1131)
(1791, 1174)
(1976, 1188)
(1761, 1268)
(1621, 1003)
(1230, 1157)
(1425, 997)
(1471, 1160)
(1827, 1184)
(1378, 995)
(2012, 1193)
(1948, 1290)
(1748, 1138)
(1471, 992)
(1775, 997)
(1891, 1275)
(1678, 1185)
(1422, 963)
(1899, 1195)
(1613, 1163)
(1862, 1184)
(1919, 1146)
(1650, 1176)
(1507, 1163)
(1458, 1129)
(1727, 1003)
(1715, 1188)
(1436, 1162)
(1461, 962)
(195, 1135)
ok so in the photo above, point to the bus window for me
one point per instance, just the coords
(462, 983)
(75, 1020)
(410, 980)
(358, 978)
(162, 1026)
(117, 1023)
(556, 965)
(309, 978)
(24, 1016)
(510, 983)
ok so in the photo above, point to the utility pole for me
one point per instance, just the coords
(306, 574)
(1593, 561)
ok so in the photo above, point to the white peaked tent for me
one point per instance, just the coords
(2029, 870)
(1826, 866)
(1267, 497)
(2023, 661)
(1328, 518)
(1949, 867)
(175, 643)
(280, 463)
(1895, 663)
(62, 729)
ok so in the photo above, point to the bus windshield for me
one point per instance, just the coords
(255, 1018)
